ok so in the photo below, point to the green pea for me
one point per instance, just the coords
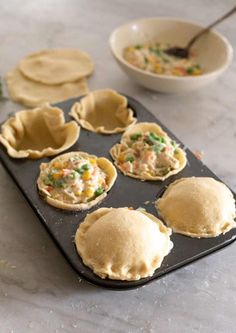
(138, 46)
(58, 183)
(173, 143)
(130, 159)
(190, 70)
(99, 191)
(79, 170)
(73, 175)
(135, 136)
(163, 140)
(85, 167)
(154, 136)
(158, 148)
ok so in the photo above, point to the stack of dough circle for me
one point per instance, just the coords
(56, 66)
(38, 132)
(32, 93)
(76, 180)
(49, 76)
(148, 153)
(122, 244)
(103, 111)
(198, 207)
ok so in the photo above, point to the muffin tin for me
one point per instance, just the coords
(126, 192)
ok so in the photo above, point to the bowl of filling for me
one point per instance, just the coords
(140, 47)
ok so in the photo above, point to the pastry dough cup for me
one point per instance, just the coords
(198, 207)
(106, 166)
(122, 244)
(38, 132)
(142, 128)
(103, 111)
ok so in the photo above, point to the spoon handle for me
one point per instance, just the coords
(193, 40)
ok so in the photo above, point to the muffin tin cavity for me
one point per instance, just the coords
(103, 111)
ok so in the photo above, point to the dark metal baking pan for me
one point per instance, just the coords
(127, 192)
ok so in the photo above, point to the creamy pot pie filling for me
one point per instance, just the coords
(153, 58)
(148, 153)
(75, 180)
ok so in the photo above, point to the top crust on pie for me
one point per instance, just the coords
(148, 153)
(38, 132)
(122, 244)
(56, 66)
(198, 207)
(103, 111)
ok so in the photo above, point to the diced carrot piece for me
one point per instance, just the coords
(57, 175)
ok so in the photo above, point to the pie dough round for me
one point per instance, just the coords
(76, 180)
(122, 244)
(146, 152)
(38, 132)
(103, 111)
(56, 66)
(198, 207)
(31, 93)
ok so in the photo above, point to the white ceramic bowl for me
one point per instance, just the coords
(213, 52)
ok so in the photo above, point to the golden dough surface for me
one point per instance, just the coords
(38, 132)
(103, 111)
(56, 66)
(198, 207)
(122, 244)
(31, 93)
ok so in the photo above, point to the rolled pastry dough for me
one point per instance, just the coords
(56, 66)
(31, 93)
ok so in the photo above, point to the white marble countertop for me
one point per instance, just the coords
(39, 292)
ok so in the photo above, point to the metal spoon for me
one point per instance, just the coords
(183, 52)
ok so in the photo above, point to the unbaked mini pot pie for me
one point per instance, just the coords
(76, 180)
(148, 153)
(38, 132)
(103, 111)
(198, 207)
(122, 244)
